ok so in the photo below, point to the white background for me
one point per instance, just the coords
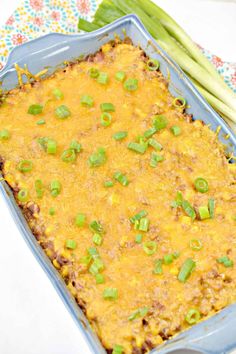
(33, 320)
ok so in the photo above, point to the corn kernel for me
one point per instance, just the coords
(174, 270)
(56, 264)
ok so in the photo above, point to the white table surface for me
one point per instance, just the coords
(33, 319)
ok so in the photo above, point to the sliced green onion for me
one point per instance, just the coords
(120, 76)
(108, 184)
(97, 239)
(86, 101)
(155, 158)
(25, 166)
(55, 188)
(99, 278)
(51, 146)
(96, 226)
(193, 316)
(43, 142)
(150, 247)
(176, 130)
(139, 148)
(136, 225)
(186, 269)
(225, 261)
(39, 188)
(138, 216)
(41, 122)
(93, 73)
(98, 158)
(103, 78)
(62, 112)
(158, 267)
(57, 94)
(201, 185)
(153, 65)
(106, 119)
(4, 134)
(144, 224)
(160, 122)
(52, 211)
(131, 84)
(204, 212)
(138, 238)
(122, 179)
(149, 133)
(153, 143)
(168, 259)
(80, 220)
(110, 294)
(23, 195)
(179, 102)
(85, 260)
(120, 135)
(118, 349)
(211, 206)
(93, 252)
(178, 200)
(107, 107)
(138, 313)
(75, 146)
(35, 109)
(195, 244)
(97, 265)
(68, 155)
(71, 244)
(188, 209)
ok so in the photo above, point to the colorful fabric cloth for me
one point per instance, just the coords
(34, 18)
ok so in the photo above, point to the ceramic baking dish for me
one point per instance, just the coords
(216, 335)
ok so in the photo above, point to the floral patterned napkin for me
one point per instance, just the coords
(34, 18)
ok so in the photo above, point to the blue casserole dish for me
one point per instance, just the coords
(215, 335)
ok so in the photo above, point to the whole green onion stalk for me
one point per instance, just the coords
(172, 38)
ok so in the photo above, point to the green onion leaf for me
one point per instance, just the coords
(57, 94)
(149, 133)
(35, 109)
(225, 261)
(52, 211)
(168, 259)
(211, 206)
(55, 188)
(93, 73)
(144, 224)
(118, 349)
(153, 65)
(23, 195)
(186, 269)
(107, 107)
(193, 316)
(160, 122)
(122, 179)
(103, 78)
(108, 184)
(106, 119)
(96, 226)
(99, 278)
(155, 158)
(139, 148)
(158, 267)
(98, 158)
(41, 122)
(120, 76)
(75, 146)
(150, 247)
(138, 313)
(4, 134)
(201, 185)
(51, 146)
(120, 135)
(188, 209)
(131, 84)
(204, 212)
(195, 244)
(179, 102)
(97, 239)
(138, 216)
(175, 130)
(138, 238)
(71, 244)
(86, 101)
(68, 155)
(25, 166)
(153, 143)
(80, 220)
(110, 294)
(62, 112)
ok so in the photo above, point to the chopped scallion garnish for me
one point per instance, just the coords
(131, 84)
(86, 101)
(121, 178)
(201, 185)
(71, 244)
(35, 109)
(107, 107)
(193, 316)
(150, 247)
(62, 112)
(102, 78)
(110, 294)
(120, 135)
(25, 166)
(186, 269)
